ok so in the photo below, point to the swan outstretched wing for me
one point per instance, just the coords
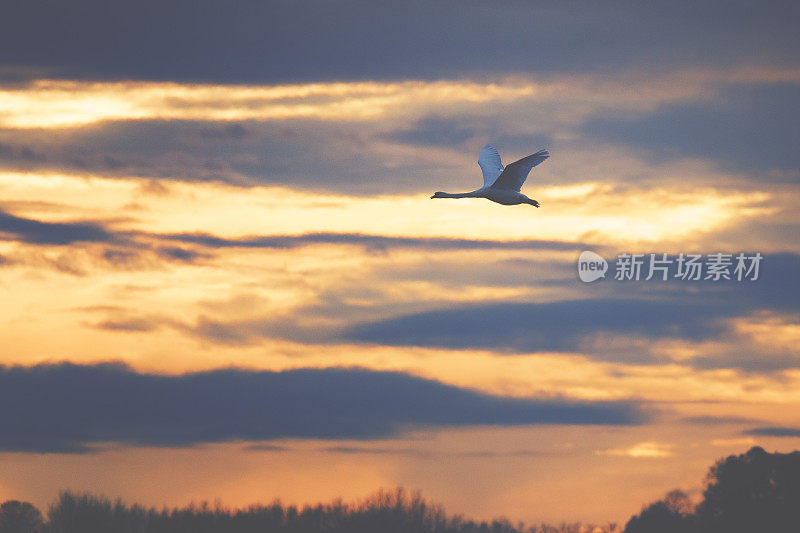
(515, 173)
(489, 161)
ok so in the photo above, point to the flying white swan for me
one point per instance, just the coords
(501, 185)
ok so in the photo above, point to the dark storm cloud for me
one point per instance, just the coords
(438, 131)
(36, 232)
(66, 407)
(186, 150)
(693, 311)
(552, 326)
(19, 77)
(646, 311)
(774, 432)
(778, 287)
(434, 130)
(279, 41)
(302, 154)
(747, 129)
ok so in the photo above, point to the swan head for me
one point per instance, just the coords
(439, 194)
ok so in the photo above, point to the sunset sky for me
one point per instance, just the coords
(223, 276)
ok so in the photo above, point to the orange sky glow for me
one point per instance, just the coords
(156, 291)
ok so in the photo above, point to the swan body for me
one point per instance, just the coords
(501, 185)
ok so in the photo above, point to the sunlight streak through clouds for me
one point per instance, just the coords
(644, 450)
(54, 103)
(49, 103)
(602, 212)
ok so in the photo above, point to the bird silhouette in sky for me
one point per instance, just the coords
(501, 185)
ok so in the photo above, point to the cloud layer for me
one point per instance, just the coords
(278, 41)
(66, 407)
(37, 232)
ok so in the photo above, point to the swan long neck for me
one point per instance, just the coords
(471, 194)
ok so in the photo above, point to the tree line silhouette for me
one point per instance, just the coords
(753, 492)
(749, 493)
(384, 512)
